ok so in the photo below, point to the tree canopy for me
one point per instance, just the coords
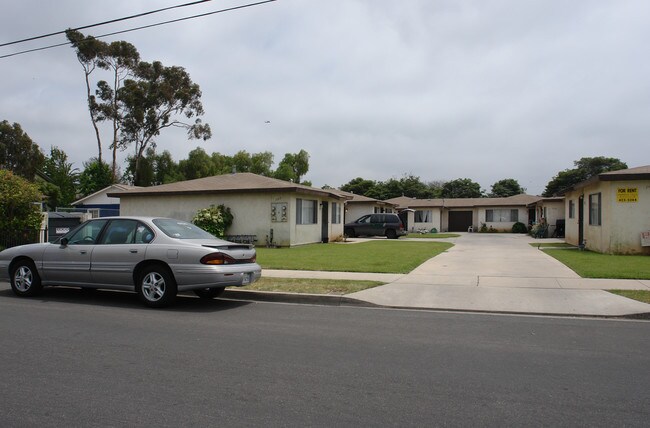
(18, 153)
(584, 169)
(461, 188)
(506, 187)
(18, 210)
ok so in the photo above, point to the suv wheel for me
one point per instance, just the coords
(391, 234)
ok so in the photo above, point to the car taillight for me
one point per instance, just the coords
(224, 259)
(217, 259)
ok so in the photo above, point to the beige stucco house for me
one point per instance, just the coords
(277, 212)
(464, 214)
(610, 212)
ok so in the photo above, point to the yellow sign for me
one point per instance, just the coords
(627, 194)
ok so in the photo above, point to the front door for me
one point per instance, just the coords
(326, 220)
(70, 264)
(581, 220)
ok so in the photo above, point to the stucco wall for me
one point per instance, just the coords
(435, 220)
(622, 222)
(356, 210)
(251, 213)
(502, 226)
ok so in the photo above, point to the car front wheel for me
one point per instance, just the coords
(156, 286)
(25, 281)
(209, 293)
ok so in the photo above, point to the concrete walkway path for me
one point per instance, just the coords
(504, 273)
(493, 273)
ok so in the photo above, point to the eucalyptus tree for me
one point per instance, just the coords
(157, 98)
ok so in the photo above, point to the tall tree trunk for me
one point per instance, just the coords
(92, 115)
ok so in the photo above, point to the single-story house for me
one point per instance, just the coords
(276, 212)
(610, 212)
(99, 204)
(549, 210)
(358, 205)
(464, 214)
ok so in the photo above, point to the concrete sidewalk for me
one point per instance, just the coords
(493, 273)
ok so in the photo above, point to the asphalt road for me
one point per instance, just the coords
(75, 358)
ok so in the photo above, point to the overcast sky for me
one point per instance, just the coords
(479, 89)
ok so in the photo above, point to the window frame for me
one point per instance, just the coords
(303, 214)
(596, 209)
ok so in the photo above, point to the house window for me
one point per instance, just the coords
(502, 216)
(423, 216)
(306, 211)
(595, 209)
(572, 209)
(336, 213)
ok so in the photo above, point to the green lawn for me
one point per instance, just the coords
(588, 264)
(433, 235)
(313, 286)
(382, 256)
(640, 295)
(552, 244)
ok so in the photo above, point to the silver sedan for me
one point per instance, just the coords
(155, 257)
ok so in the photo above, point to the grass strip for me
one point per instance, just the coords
(552, 245)
(380, 256)
(588, 264)
(312, 286)
(640, 295)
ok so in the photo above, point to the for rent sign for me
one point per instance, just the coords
(627, 194)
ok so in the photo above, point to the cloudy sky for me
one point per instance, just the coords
(370, 88)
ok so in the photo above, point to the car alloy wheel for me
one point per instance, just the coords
(25, 280)
(156, 287)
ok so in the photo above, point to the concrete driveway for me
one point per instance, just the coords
(504, 273)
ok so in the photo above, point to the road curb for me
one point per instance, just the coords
(304, 298)
(338, 300)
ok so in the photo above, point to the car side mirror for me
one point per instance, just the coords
(64, 242)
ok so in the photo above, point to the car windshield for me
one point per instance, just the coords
(181, 229)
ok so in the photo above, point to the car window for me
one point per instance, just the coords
(143, 235)
(87, 233)
(364, 219)
(119, 232)
(181, 229)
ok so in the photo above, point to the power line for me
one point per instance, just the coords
(139, 15)
(142, 27)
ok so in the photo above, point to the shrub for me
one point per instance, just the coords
(519, 227)
(18, 203)
(215, 219)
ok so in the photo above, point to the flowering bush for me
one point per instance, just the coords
(216, 219)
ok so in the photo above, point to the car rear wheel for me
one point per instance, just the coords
(349, 233)
(391, 234)
(209, 293)
(156, 286)
(25, 281)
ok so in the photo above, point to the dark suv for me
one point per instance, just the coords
(388, 225)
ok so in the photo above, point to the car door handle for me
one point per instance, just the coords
(133, 251)
(83, 252)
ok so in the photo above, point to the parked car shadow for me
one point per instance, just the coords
(121, 299)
